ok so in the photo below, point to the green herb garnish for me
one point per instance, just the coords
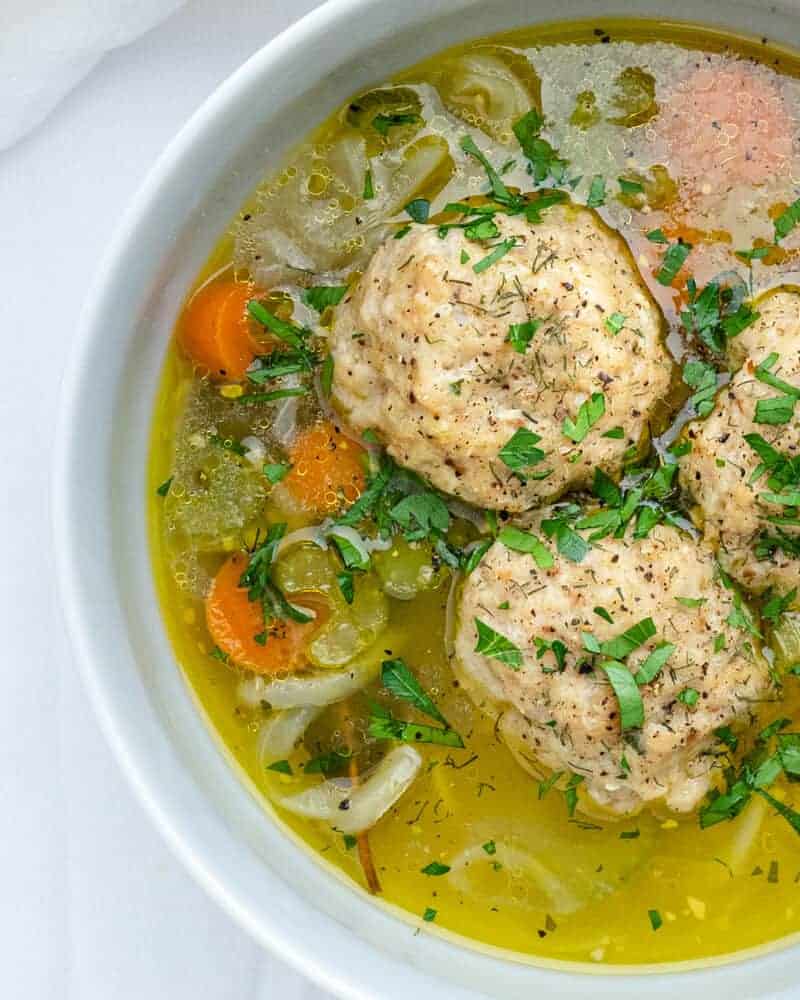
(524, 541)
(521, 334)
(672, 262)
(276, 471)
(419, 209)
(321, 296)
(589, 413)
(497, 646)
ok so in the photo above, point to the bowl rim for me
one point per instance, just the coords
(341, 977)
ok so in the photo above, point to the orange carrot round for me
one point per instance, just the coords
(215, 330)
(234, 621)
(327, 469)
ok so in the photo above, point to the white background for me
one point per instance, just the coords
(92, 905)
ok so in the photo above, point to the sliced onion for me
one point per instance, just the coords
(355, 808)
(311, 534)
(748, 828)
(281, 733)
(304, 690)
(254, 450)
(284, 420)
(364, 543)
(329, 412)
(561, 899)
(450, 616)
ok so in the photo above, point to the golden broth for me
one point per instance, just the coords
(523, 874)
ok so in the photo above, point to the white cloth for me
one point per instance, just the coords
(46, 49)
(93, 906)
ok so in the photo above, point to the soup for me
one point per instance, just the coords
(475, 492)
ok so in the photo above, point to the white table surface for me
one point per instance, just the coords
(92, 904)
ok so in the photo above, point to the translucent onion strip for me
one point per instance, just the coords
(304, 690)
(281, 733)
(561, 899)
(354, 809)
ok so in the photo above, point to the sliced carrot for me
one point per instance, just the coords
(234, 621)
(327, 469)
(215, 330)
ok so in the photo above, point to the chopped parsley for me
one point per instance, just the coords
(419, 209)
(344, 579)
(383, 122)
(163, 489)
(369, 186)
(688, 697)
(524, 541)
(521, 334)
(276, 471)
(491, 258)
(624, 644)
(568, 542)
(776, 409)
(384, 726)
(520, 452)
(597, 192)
(589, 413)
(497, 646)
(615, 322)
(260, 586)
(672, 261)
(321, 296)
(717, 313)
(498, 188)
(571, 793)
(775, 753)
(281, 766)
(353, 557)
(655, 919)
(701, 377)
(326, 376)
(787, 220)
(627, 186)
(398, 679)
(653, 664)
(544, 160)
(691, 602)
(472, 558)
(435, 868)
(420, 514)
(657, 236)
(290, 333)
(332, 764)
(777, 605)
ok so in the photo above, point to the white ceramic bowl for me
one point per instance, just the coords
(286, 898)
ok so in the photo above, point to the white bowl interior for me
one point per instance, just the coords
(272, 886)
